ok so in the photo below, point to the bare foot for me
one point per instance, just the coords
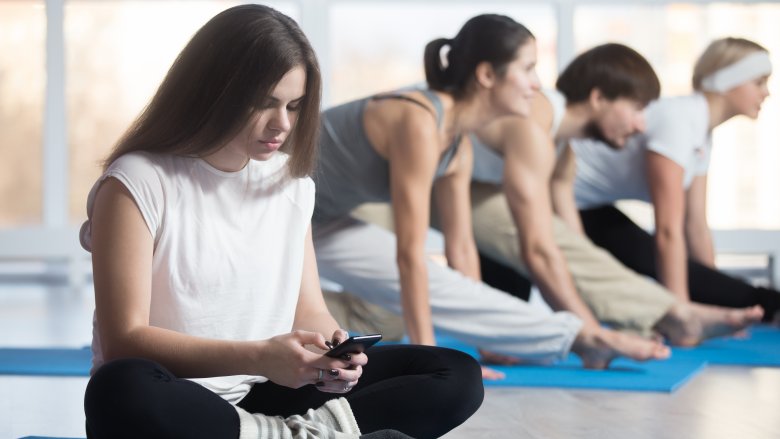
(597, 347)
(491, 374)
(688, 323)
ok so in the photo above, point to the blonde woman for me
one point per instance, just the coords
(667, 166)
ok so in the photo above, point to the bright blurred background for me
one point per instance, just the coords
(102, 61)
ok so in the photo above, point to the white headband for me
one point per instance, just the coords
(751, 67)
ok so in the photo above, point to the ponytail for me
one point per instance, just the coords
(435, 70)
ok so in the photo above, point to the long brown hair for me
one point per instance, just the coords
(228, 68)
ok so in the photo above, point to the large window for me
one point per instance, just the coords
(22, 86)
(117, 52)
(744, 179)
(378, 45)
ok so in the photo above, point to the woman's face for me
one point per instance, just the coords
(268, 128)
(514, 91)
(747, 98)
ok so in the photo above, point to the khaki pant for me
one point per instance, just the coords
(357, 315)
(616, 295)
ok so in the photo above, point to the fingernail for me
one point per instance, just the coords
(347, 357)
(334, 372)
(329, 345)
(336, 342)
(319, 384)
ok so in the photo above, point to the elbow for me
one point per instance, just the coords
(460, 254)
(666, 235)
(113, 351)
(537, 257)
(117, 346)
(409, 260)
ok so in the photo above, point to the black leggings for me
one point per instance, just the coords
(419, 390)
(612, 230)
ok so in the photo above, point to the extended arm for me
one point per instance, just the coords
(668, 198)
(529, 159)
(413, 155)
(697, 230)
(562, 188)
(453, 204)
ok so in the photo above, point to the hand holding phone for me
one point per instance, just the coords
(354, 345)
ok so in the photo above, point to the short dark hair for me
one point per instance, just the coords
(618, 71)
(210, 92)
(489, 37)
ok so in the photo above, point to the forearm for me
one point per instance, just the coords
(414, 299)
(550, 273)
(564, 204)
(185, 355)
(700, 246)
(465, 260)
(671, 262)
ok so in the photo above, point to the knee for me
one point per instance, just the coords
(465, 390)
(114, 390)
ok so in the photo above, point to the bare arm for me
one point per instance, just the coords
(413, 156)
(453, 203)
(122, 263)
(697, 231)
(529, 159)
(562, 187)
(668, 198)
(311, 313)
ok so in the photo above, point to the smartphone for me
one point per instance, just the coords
(352, 345)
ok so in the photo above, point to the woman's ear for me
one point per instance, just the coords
(485, 74)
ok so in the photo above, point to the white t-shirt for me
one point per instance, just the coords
(677, 128)
(228, 248)
(489, 164)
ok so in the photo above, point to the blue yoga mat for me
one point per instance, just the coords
(623, 374)
(761, 347)
(45, 361)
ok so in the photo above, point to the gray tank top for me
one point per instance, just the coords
(349, 171)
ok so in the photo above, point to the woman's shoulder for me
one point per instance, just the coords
(139, 163)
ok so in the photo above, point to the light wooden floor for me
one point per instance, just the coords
(721, 402)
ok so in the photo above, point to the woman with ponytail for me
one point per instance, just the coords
(405, 145)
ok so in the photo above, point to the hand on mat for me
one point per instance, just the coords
(287, 362)
(492, 375)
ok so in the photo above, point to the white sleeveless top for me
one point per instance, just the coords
(228, 248)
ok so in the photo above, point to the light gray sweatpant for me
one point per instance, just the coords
(361, 257)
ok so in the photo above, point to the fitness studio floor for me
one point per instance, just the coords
(720, 402)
